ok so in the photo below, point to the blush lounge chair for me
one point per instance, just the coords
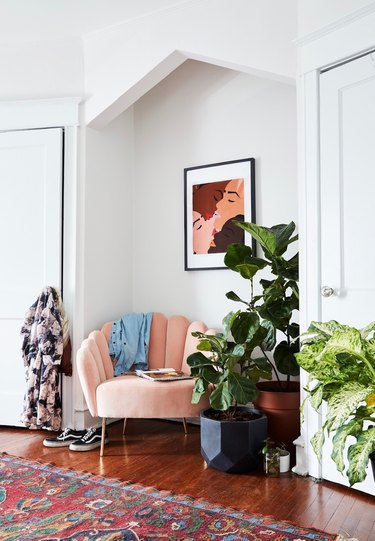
(130, 396)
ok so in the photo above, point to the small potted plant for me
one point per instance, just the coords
(231, 434)
(341, 362)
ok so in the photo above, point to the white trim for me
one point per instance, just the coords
(32, 114)
(340, 44)
(335, 25)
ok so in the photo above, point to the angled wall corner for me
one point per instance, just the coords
(125, 61)
(118, 105)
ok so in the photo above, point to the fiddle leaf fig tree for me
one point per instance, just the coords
(341, 363)
(232, 362)
(279, 298)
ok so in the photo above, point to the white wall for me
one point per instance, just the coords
(108, 222)
(41, 69)
(314, 14)
(203, 114)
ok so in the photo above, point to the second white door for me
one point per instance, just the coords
(30, 245)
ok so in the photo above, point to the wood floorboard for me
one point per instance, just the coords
(158, 453)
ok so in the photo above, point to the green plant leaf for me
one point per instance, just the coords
(197, 360)
(358, 456)
(283, 233)
(316, 396)
(228, 322)
(339, 440)
(200, 388)
(245, 326)
(269, 340)
(343, 402)
(241, 388)
(255, 374)
(317, 442)
(285, 360)
(249, 270)
(264, 235)
(232, 296)
(237, 254)
(221, 398)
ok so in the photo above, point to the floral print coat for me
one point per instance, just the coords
(42, 349)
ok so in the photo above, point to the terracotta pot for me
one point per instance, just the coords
(282, 410)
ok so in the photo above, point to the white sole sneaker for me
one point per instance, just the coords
(86, 446)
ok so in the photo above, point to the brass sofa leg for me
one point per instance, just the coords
(103, 437)
(185, 425)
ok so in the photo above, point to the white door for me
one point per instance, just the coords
(347, 95)
(30, 245)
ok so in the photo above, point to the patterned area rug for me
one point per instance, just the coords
(41, 501)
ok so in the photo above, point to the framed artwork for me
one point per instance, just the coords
(215, 195)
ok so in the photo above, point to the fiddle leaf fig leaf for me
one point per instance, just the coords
(197, 360)
(285, 360)
(264, 235)
(232, 296)
(199, 389)
(221, 398)
(249, 270)
(237, 254)
(283, 233)
(241, 388)
(245, 326)
(269, 340)
(228, 322)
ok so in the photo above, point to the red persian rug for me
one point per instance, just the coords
(42, 501)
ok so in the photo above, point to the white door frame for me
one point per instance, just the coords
(64, 113)
(337, 42)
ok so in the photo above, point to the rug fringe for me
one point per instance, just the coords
(344, 538)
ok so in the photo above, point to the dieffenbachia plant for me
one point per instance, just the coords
(340, 361)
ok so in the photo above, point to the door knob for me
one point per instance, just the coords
(327, 291)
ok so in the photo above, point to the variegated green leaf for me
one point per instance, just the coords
(339, 441)
(317, 442)
(316, 396)
(358, 455)
(343, 402)
(346, 341)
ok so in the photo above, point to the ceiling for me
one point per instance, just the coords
(23, 20)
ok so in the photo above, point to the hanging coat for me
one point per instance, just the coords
(42, 350)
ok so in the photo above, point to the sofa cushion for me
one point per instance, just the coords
(133, 396)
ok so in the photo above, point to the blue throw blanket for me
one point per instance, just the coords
(129, 341)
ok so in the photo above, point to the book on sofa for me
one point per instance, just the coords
(162, 374)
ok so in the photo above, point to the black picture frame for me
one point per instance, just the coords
(209, 200)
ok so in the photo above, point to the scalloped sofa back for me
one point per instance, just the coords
(130, 396)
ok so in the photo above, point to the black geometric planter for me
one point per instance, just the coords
(233, 446)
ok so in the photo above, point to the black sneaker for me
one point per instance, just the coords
(66, 437)
(90, 440)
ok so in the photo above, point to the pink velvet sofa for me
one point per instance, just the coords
(131, 396)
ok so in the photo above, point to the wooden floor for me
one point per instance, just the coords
(157, 453)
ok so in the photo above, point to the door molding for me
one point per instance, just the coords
(31, 114)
